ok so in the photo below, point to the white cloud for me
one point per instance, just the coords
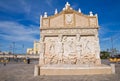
(105, 39)
(17, 6)
(10, 6)
(25, 6)
(49, 2)
(109, 32)
(14, 31)
(74, 6)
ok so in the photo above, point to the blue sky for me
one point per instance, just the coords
(19, 20)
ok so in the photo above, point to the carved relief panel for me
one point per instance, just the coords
(69, 45)
(51, 45)
(69, 49)
(88, 44)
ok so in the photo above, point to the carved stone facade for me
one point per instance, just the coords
(69, 37)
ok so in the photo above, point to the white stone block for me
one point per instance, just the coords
(36, 70)
(113, 68)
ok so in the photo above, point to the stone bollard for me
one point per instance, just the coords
(113, 68)
(36, 70)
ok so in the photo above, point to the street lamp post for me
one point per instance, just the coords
(23, 49)
(13, 48)
(112, 48)
(0, 48)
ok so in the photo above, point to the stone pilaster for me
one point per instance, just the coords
(42, 51)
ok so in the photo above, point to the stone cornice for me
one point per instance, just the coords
(47, 28)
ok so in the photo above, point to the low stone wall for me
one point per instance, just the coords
(18, 56)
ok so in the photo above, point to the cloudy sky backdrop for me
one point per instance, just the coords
(19, 20)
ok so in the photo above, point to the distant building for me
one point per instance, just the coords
(1, 52)
(5, 52)
(29, 50)
(35, 49)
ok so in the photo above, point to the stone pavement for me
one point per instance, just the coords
(25, 72)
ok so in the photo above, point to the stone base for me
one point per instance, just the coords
(74, 70)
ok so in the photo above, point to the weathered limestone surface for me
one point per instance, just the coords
(75, 70)
(69, 37)
(68, 49)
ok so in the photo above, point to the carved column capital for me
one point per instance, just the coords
(78, 37)
(42, 38)
(60, 36)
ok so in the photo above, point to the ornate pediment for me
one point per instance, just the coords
(69, 18)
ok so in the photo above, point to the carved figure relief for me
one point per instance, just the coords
(71, 50)
(64, 39)
(52, 48)
(72, 46)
